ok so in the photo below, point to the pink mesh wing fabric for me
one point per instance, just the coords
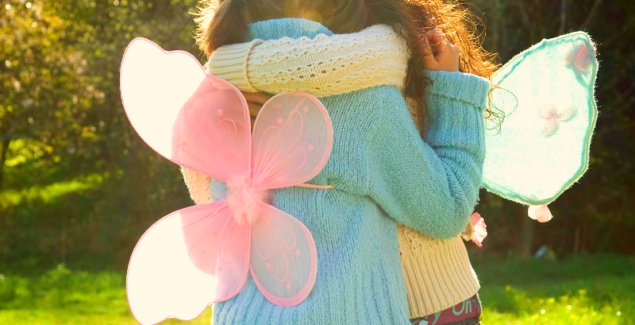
(198, 255)
(283, 257)
(186, 261)
(194, 119)
(292, 141)
(201, 255)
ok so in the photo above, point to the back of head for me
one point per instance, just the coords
(223, 22)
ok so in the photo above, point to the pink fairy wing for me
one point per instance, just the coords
(480, 229)
(292, 141)
(283, 257)
(187, 260)
(192, 118)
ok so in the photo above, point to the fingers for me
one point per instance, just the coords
(254, 103)
(437, 38)
(256, 98)
(438, 53)
(253, 121)
(254, 109)
(448, 57)
(440, 42)
(429, 61)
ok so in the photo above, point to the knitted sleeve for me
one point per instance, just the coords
(431, 186)
(322, 66)
(198, 185)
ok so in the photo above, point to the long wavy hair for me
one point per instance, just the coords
(222, 22)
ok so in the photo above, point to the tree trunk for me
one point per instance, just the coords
(563, 17)
(3, 157)
(527, 227)
(577, 241)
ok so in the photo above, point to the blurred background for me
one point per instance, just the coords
(78, 187)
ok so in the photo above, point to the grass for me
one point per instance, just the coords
(580, 302)
(586, 290)
(65, 297)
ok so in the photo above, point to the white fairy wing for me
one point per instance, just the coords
(192, 118)
(547, 96)
(198, 255)
(187, 260)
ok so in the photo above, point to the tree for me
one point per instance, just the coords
(45, 88)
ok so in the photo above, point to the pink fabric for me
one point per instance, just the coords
(579, 57)
(321, 187)
(468, 309)
(201, 255)
(479, 229)
(553, 115)
(541, 213)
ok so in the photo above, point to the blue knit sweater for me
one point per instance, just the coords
(384, 174)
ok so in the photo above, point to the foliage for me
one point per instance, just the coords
(79, 181)
(37, 72)
(80, 186)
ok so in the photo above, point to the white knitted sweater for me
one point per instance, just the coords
(323, 66)
(438, 273)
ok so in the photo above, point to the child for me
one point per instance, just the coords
(372, 57)
(454, 169)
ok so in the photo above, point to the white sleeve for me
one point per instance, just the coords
(322, 66)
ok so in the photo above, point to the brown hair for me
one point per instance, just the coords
(222, 22)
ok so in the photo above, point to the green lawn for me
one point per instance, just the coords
(588, 290)
(65, 297)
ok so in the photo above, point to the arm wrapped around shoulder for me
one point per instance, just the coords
(198, 186)
(322, 66)
(431, 184)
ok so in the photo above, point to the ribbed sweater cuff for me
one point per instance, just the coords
(460, 86)
(230, 63)
(438, 275)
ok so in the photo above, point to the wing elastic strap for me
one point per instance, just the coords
(315, 186)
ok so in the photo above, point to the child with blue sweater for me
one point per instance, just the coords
(383, 174)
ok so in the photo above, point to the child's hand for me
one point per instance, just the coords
(255, 102)
(438, 53)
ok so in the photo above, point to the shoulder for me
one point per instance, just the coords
(382, 35)
(380, 30)
(363, 109)
(382, 107)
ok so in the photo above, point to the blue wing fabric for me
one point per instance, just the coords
(547, 95)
